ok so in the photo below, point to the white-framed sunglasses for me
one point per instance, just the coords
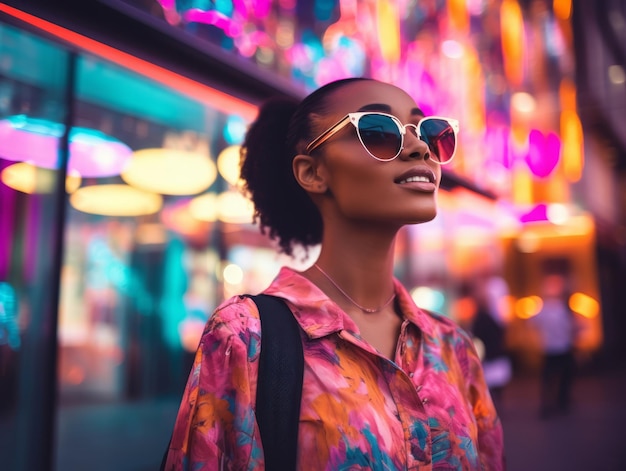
(382, 135)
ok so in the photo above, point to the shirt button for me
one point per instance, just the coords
(419, 388)
(425, 400)
(411, 374)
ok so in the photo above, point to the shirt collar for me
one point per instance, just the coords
(319, 316)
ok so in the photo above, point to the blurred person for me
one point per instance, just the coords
(556, 324)
(487, 326)
(387, 385)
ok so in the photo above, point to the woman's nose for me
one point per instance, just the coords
(414, 147)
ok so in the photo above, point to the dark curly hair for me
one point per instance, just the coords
(283, 209)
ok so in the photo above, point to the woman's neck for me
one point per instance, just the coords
(360, 263)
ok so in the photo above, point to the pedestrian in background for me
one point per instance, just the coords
(387, 385)
(556, 323)
(489, 328)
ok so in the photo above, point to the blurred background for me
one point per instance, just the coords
(122, 227)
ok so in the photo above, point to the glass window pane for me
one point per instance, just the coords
(139, 275)
(33, 78)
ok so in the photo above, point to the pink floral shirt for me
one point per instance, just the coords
(428, 410)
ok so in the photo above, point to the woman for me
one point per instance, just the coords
(387, 385)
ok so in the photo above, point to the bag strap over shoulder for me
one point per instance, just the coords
(279, 384)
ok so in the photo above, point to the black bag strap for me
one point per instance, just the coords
(279, 384)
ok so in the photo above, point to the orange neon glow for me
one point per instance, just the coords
(571, 132)
(562, 9)
(519, 133)
(528, 307)
(572, 142)
(584, 305)
(389, 31)
(477, 84)
(512, 29)
(464, 309)
(212, 97)
(459, 18)
(522, 185)
(567, 95)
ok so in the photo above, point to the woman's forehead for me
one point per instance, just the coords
(373, 96)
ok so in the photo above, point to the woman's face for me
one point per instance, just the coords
(364, 189)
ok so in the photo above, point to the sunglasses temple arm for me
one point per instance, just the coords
(330, 132)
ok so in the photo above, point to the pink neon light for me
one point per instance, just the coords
(168, 4)
(538, 213)
(262, 8)
(214, 18)
(543, 153)
(92, 153)
(497, 145)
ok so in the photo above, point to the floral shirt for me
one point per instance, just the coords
(429, 409)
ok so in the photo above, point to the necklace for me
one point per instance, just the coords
(364, 309)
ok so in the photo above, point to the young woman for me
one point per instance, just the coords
(387, 385)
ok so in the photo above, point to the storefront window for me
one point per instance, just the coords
(33, 82)
(151, 225)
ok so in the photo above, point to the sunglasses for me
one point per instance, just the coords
(382, 135)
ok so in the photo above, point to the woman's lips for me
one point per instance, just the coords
(418, 179)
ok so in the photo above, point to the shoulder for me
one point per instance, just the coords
(451, 337)
(235, 310)
(236, 317)
(445, 327)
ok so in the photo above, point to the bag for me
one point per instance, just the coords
(279, 384)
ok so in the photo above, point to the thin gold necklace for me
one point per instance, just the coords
(364, 309)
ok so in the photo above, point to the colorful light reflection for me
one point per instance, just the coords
(36, 141)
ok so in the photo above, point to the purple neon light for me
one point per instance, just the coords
(7, 230)
(215, 18)
(538, 213)
(544, 152)
(92, 153)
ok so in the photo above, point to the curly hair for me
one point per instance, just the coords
(285, 211)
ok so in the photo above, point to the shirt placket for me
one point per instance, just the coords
(414, 416)
(410, 406)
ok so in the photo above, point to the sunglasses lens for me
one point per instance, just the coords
(380, 136)
(440, 137)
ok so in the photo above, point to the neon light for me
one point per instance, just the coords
(8, 316)
(584, 305)
(544, 152)
(215, 18)
(208, 95)
(573, 155)
(92, 153)
(538, 213)
(528, 307)
(513, 40)
(389, 31)
(458, 15)
(562, 9)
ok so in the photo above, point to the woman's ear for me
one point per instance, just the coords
(309, 174)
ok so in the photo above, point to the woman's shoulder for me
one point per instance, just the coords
(236, 307)
(445, 326)
(235, 315)
(451, 337)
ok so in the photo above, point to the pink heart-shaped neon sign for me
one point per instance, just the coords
(544, 152)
